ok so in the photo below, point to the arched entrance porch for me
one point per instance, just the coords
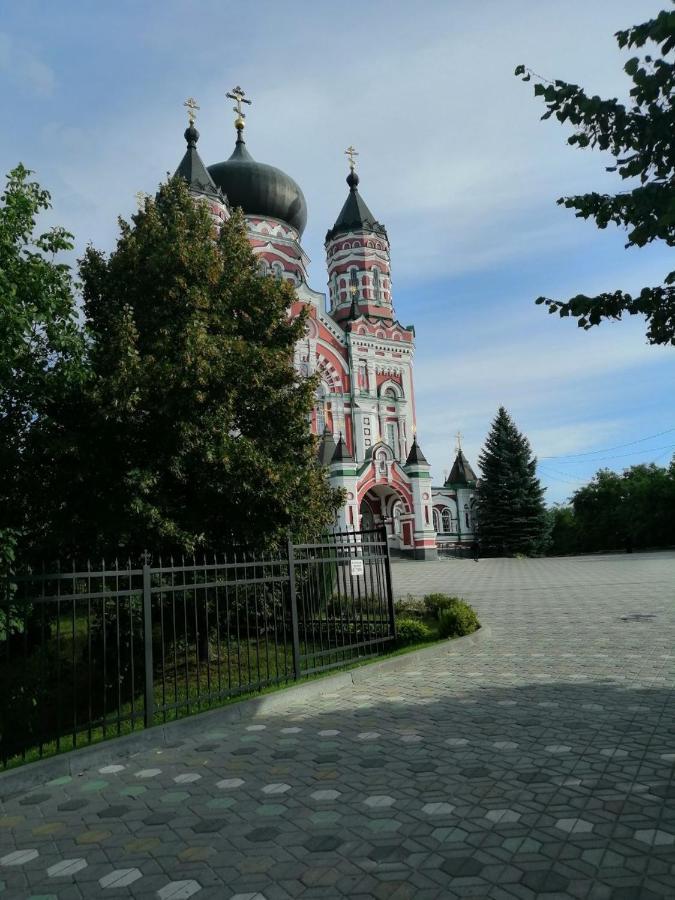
(383, 504)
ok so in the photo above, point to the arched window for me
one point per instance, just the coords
(390, 393)
(277, 270)
(353, 283)
(437, 520)
(377, 289)
(447, 520)
(262, 267)
(320, 408)
(467, 517)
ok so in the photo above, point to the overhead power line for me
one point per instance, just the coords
(546, 476)
(609, 449)
(599, 459)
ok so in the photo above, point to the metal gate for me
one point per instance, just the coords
(342, 599)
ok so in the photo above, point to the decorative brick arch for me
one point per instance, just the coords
(403, 492)
(329, 374)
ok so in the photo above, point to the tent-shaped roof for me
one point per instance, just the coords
(326, 447)
(342, 453)
(354, 215)
(416, 456)
(461, 472)
(193, 170)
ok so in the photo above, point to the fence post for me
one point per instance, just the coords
(387, 578)
(294, 611)
(149, 693)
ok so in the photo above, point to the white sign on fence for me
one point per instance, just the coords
(356, 567)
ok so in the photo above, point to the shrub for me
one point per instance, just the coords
(434, 604)
(412, 631)
(410, 607)
(457, 620)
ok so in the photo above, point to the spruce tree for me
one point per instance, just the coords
(195, 435)
(511, 515)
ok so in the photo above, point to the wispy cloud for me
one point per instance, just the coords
(24, 68)
(453, 159)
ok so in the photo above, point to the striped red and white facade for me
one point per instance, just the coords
(364, 415)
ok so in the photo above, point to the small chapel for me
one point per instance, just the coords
(364, 416)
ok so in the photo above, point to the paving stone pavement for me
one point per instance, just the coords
(537, 763)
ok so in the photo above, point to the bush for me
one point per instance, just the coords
(412, 631)
(410, 607)
(434, 604)
(457, 620)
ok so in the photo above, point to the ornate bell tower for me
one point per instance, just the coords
(357, 254)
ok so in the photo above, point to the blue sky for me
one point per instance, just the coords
(453, 159)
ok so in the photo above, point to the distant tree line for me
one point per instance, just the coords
(632, 510)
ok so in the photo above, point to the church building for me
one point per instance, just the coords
(364, 416)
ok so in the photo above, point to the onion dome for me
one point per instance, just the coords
(355, 215)
(259, 189)
(193, 170)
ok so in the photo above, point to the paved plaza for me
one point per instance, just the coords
(536, 762)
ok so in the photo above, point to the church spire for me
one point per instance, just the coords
(354, 215)
(461, 474)
(357, 250)
(191, 167)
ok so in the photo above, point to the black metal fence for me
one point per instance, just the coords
(87, 654)
(454, 551)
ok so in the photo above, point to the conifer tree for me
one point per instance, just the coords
(196, 429)
(511, 515)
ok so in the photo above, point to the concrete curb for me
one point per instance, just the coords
(18, 781)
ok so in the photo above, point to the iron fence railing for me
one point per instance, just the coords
(454, 551)
(87, 654)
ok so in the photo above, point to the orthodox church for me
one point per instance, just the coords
(364, 417)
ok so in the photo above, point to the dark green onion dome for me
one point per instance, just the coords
(355, 215)
(259, 189)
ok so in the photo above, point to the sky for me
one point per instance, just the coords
(453, 159)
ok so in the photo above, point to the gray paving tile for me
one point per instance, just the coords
(537, 763)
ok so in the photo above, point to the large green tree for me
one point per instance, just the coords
(41, 346)
(640, 136)
(192, 433)
(511, 515)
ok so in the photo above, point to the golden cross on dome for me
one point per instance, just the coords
(459, 441)
(192, 107)
(351, 153)
(239, 96)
